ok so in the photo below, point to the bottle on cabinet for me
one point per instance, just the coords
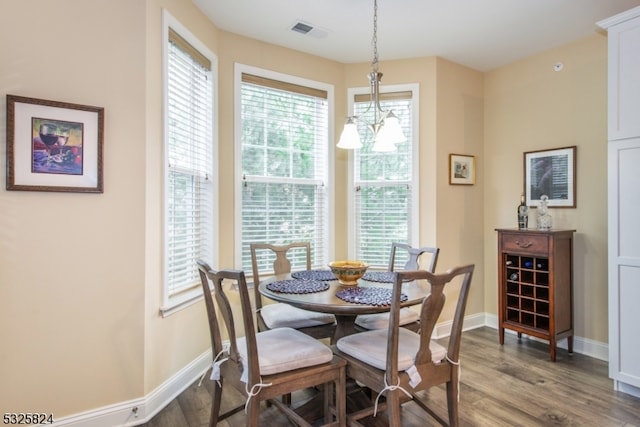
(523, 213)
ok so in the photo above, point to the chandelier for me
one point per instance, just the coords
(385, 127)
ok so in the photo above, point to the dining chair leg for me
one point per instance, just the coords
(253, 412)
(341, 399)
(286, 399)
(393, 407)
(215, 405)
(327, 392)
(452, 398)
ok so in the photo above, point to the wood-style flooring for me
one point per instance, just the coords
(511, 385)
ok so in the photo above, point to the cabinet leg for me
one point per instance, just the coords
(501, 335)
(552, 349)
(519, 335)
(570, 344)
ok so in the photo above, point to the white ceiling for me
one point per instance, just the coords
(481, 34)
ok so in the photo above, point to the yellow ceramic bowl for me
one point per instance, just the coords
(348, 272)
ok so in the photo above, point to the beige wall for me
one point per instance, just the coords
(79, 320)
(72, 266)
(529, 106)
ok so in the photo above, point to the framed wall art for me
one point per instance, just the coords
(462, 169)
(54, 146)
(551, 173)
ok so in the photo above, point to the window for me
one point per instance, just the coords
(283, 151)
(188, 171)
(385, 184)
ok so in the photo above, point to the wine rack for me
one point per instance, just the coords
(535, 284)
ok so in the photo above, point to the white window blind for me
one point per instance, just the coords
(383, 185)
(188, 166)
(284, 167)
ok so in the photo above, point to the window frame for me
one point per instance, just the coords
(239, 70)
(173, 302)
(414, 225)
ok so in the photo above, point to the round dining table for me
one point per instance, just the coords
(326, 301)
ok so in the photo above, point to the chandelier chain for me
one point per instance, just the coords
(374, 39)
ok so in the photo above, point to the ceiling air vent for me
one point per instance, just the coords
(308, 29)
(302, 28)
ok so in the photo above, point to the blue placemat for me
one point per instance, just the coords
(371, 296)
(380, 276)
(294, 286)
(322, 275)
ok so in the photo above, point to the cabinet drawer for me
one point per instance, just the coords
(525, 243)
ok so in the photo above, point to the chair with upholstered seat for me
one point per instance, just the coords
(277, 315)
(424, 258)
(397, 363)
(265, 365)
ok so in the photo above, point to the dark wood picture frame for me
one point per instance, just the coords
(54, 146)
(553, 173)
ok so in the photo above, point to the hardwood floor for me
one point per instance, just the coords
(511, 385)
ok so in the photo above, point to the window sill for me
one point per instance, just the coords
(180, 302)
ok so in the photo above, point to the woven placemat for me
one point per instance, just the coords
(371, 296)
(322, 275)
(294, 286)
(380, 276)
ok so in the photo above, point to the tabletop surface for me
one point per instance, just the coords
(327, 301)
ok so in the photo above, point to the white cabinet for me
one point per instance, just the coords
(624, 264)
(624, 199)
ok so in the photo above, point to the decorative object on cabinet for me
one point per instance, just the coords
(535, 281)
(462, 169)
(544, 217)
(551, 172)
(54, 146)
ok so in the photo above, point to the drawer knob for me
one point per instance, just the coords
(524, 245)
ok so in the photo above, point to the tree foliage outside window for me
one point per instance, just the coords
(284, 163)
(383, 183)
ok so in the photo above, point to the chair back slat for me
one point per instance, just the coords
(281, 264)
(432, 308)
(214, 327)
(414, 256)
(458, 318)
(225, 307)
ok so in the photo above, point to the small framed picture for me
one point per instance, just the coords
(54, 146)
(462, 169)
(551, 173)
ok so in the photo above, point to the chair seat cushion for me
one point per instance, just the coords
(280, 315)
(381, 320)
(371, 348)
(285, 349)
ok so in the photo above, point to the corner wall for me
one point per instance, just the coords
(529, 107)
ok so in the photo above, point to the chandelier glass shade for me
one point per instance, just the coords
(385, 126)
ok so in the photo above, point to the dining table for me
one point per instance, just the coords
(319, 290)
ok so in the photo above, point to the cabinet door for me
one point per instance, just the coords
(624, 85)
(624, 261)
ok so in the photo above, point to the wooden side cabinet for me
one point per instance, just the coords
(535, 280)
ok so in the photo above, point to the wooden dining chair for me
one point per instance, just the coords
(424, 258)
(265, 365)
(398, 363)
(277, 315)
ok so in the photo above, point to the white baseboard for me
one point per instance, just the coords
(586, 346)
(139, 411)
(626, 388)
(474, 321)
